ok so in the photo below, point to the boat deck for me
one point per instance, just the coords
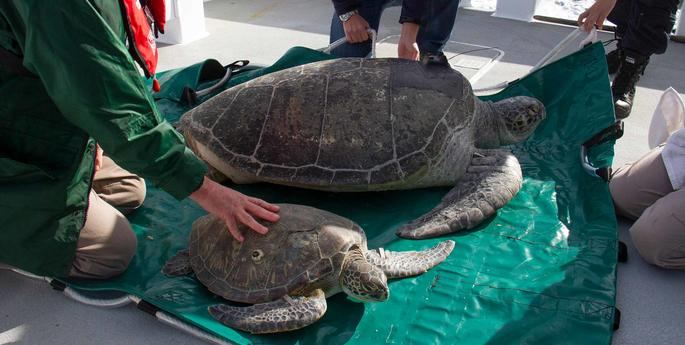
(651, 299)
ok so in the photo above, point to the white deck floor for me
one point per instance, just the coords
(652, 300)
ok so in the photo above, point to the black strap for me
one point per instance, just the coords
(613, 132)
(58, 285)
(147, 307)
(13, 63)
(211, 71)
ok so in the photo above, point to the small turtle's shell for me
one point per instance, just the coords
(303, 251)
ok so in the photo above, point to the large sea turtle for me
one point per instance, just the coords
(368, 125)
(308, 255)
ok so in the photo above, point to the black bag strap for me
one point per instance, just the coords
(212, 71)
(13, 63)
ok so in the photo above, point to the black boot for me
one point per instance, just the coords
(623, 88)
(614, 60)
(434, 59)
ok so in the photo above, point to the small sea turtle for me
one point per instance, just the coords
(308, 255)
(350, 125)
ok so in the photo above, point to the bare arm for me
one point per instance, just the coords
(407, 47)
(596, 14)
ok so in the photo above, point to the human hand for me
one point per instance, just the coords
(407, 48)
(356, 29)
(233, 207)
(596, 14)
(98, 158)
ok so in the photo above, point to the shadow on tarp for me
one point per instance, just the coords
(541, 271)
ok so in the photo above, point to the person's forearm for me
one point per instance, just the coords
(409, 31)
(407, 47)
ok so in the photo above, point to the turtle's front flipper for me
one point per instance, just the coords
(285, 314)
(178, 265)
(407, 264)
(492, 179)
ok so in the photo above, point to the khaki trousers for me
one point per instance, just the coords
(107, 243)
(643, 192)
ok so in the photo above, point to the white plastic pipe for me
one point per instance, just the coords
(591, 37)
(342, 40)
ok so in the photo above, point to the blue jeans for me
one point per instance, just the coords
(436, 26)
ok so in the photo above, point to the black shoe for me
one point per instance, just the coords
(623, 87)
(613, 60)
(434, 59)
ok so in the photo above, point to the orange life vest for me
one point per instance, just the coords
(140, 16)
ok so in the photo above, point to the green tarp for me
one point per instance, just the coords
(541, 272)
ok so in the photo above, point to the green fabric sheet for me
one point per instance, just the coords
(543, 271)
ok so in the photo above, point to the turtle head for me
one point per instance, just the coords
(361, 279)
(509, 121)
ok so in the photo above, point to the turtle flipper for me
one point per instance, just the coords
(178, 265)
(285, 314)
(407, 264)
(492, 179)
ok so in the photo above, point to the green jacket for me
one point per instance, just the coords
(87, 89)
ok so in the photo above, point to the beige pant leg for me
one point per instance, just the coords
(118, 187)
(643, 191)
(107, 243)
(659, 233)
(636, 186)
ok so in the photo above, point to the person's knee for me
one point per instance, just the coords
(660, 254)
(621, 194)
(128, 195)
(122, 248)
(656, 244)
(111, 258)
(126, 245)
(138, 191)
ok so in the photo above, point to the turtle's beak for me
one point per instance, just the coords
(385, 295)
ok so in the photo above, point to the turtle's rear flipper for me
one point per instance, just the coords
(407, 264)
(285, 314)
(492, 179)
(178, 265)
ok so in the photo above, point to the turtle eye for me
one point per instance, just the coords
(257, 255)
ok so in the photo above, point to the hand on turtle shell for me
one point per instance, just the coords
(595, 15)
(356, 29)
(232, 207)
